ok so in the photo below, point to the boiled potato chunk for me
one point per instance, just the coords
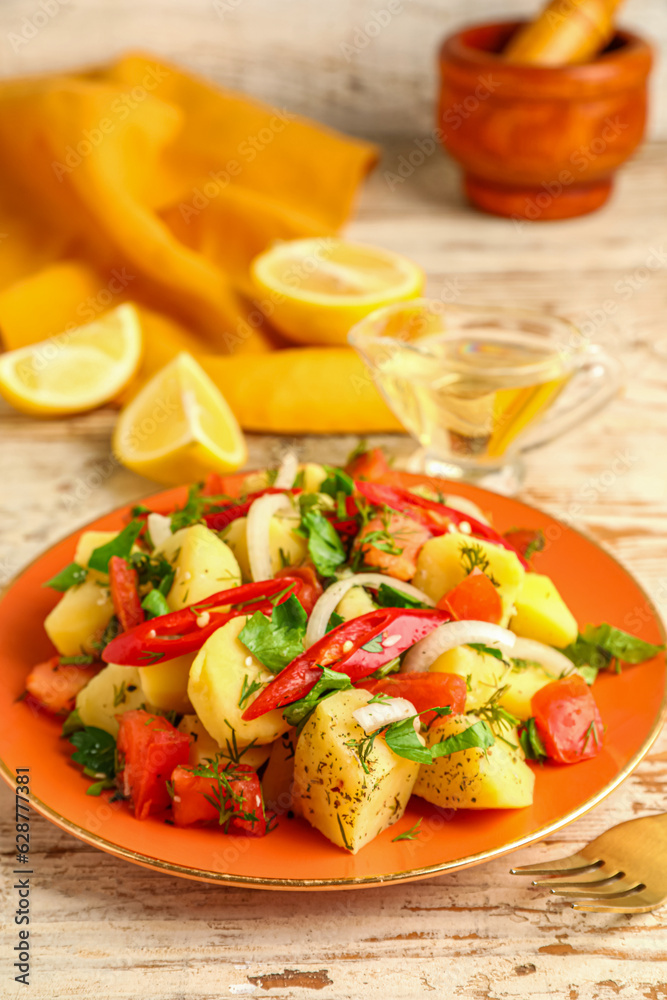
(202, 563)
(216, 685)
(482, 672)
(88, 542)
(165, 685)
(203, 747)
(110, 693)
(279, 775)
(542, 614)
(496, 778)
(313, 476)
(79, 618)
(441, 566)
(286, 547)
(332, 790)
(354, 603)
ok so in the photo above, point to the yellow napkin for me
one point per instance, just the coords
(137, 181)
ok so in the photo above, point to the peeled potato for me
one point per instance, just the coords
(203, 565)
(203, 747)
(542, 614)
(110, 693)
(286, 547)
(165, 685)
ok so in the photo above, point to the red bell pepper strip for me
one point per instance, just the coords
(185, 631)
(123, 581)
(221, 518)
(356, 648)
(433, 514)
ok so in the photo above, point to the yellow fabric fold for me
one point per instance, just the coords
(138, 181)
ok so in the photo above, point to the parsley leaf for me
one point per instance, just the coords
(334, 621)
(276, 641)
(337, 482)
(530, 741)
(68, 577)
(155, 604)
(388, 597)
(479, 647)
(478, 735)
(324, 544)
(600, 645)
(120, 546)
(95, 751)
(72, 723)
(374, 645)
(331, 681)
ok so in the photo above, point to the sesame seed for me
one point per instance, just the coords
(187, 575)
(203, 619)
(248, 661)
(347, 645)
(464, 526)
(391, 640)
(151, 634)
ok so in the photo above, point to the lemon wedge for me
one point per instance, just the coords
(315, 290)
(179, 427)
(76, 370)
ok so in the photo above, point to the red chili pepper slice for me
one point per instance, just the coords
(432, 513)
(221, 518)
(169, 636)
(123, 581)
(356, 648)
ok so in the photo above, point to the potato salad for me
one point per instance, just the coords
(323, 643)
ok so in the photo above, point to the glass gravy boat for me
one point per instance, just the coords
(477, 387)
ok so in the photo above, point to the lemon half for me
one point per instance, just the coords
(179, 427)
(315, 290)
(76, 370)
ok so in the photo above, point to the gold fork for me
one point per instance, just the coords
(622, 871)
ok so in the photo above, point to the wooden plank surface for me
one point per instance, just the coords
(366, 66)
(105, 928)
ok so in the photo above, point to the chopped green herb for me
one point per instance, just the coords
(83, 660)
(389, 597)
(402, 738)
(334, 621)
(228, 802)
(112, 630)
(496, 716)
(95, 751)
(248, 690)
(479, 647)
(591, 733)
(72, 723)
(342, 833)
(324, 544)
(387, 668)
(276, 641)
(120, 546)
(331, 681)
(478, 735)
(71, 576)
(473, 557)
(620, 645)
(530, 741)
(589, 674)
(337, 481)
(374, 645)
(99, 786)
(155, 604)
(410, 834)
(119, 694)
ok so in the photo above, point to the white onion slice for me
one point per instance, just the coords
(321, 613)
(466, 507)
(257, 532)
(453, 634)
(159, 528)
(547, 656)
(287, 470)
(383, 713)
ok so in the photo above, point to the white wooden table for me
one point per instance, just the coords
(105, 928)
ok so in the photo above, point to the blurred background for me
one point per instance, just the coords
(365, 67)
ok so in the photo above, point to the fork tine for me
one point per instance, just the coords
(574, 864)
(623, 887)
(638, 902)
(579, 883)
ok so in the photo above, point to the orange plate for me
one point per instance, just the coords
(594, 585)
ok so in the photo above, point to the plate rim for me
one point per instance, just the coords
(369, 881)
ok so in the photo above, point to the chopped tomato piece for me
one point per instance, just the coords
(149, 748)
(526, 541)
(475, 598)
(392, 543)
(370, 465)
(567, 719)
(424, 690)
(217, 485)
(312, 588)
(234, 801)
(124, 584)
(55, 685)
